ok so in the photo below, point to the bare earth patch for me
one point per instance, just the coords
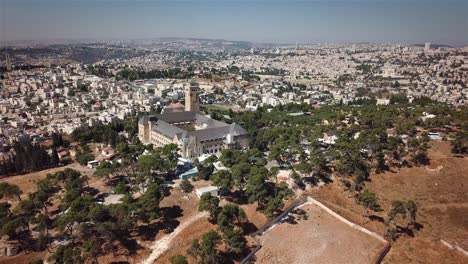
(180, 243)
(27, 182)
(23, 258)
(440, 191)
(322, 238)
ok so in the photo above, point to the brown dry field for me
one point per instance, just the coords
(26, 182)
(23, 258)
(317, 240)
(440, 191)
(184, 240)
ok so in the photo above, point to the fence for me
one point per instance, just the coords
(268, 225)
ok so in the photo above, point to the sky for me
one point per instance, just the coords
(266, 21)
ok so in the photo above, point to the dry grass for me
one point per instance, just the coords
(321, 238)
(27, 182)
(440, 191)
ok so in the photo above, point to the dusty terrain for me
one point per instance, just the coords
(183, 240)
(26, 182)
(318, 239)
(23, 258)
(440, 191)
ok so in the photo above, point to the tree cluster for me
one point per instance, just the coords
(137, 74)
(28, 157)
(229, 220)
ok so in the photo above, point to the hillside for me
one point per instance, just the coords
(441, 193)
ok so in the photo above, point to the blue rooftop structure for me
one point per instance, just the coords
(189, 174)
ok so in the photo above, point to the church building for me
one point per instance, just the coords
(192, 131)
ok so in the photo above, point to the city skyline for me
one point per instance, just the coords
(280, 21)
(233, 131)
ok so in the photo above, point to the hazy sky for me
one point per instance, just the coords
(405, 21)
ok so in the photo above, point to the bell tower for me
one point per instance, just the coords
(8, 62)
(191, 98)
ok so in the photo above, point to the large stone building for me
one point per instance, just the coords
(193, 132)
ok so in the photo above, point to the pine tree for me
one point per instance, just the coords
(54, 158)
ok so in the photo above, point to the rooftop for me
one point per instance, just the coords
(204, 127)
(207, 189)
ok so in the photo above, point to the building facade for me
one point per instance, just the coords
(193, 132)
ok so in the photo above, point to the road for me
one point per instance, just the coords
(161, 245)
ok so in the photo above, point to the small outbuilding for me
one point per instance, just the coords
(435, 136)
(213, 190)
(93, 164)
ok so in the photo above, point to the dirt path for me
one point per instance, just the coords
(161, 245)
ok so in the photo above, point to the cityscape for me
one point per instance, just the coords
(236, 146)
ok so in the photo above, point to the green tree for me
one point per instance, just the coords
(230, 216)
(257, 189)
(54, 157)
(10, 190)
(122, 148)
(235, 242)
(66, 254)
(106, 170)
(460, 142)
(211, 204)
(195, 250)
(369, 200)
(412, 209)
(83, 157)
(206, 169)
(239, 175)
(178, 259)
(400, 210)
(91, 249)
(186, 186)
(208, 247)
(149, 203)
(223, 180)
(121, 188)
(273, 206)
(229, 157)
(160, 162)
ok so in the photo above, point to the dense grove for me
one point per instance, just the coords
(28, 157)
(175, 73)
(108, 134)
